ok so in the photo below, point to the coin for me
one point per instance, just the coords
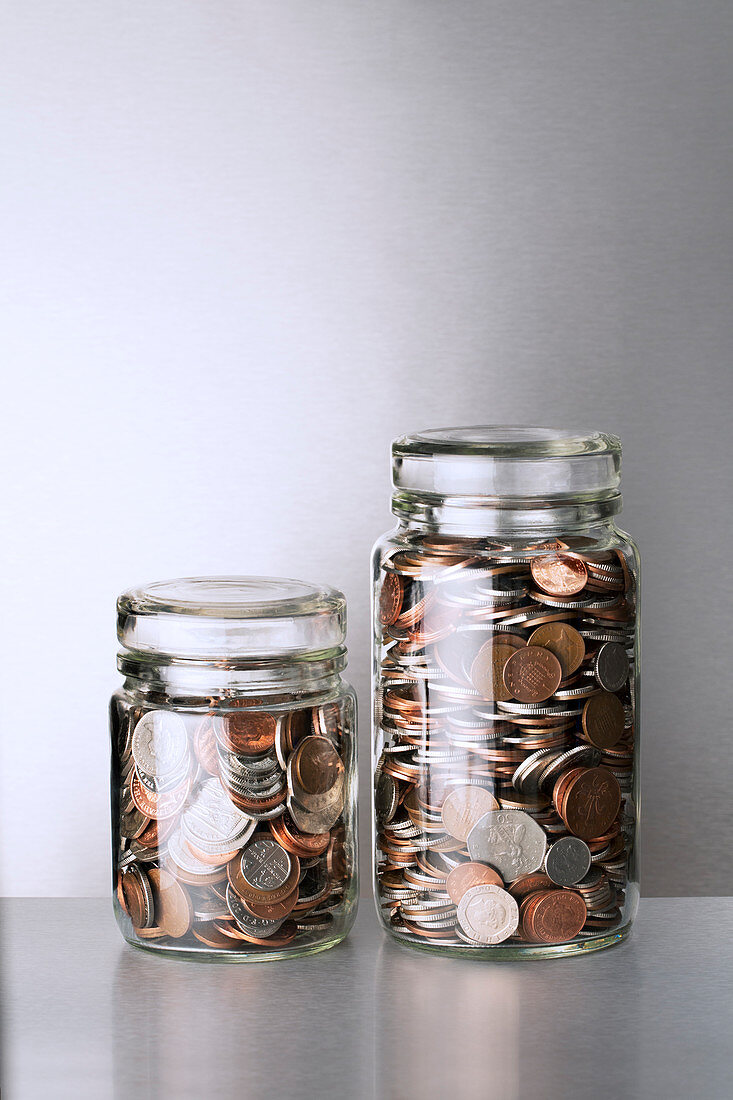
(204, 744)
(510, 841)
(532, 674)
(165, 804)
(212, 823)
(564, 641)
(173, 909)
(276, 910)
(390, 598)
(317, 767)
(247, 922)
(249, 733)
(612, 666)
(603, 720)
(567, 861)
(159, 742)
(266, 868)
(488, 914)
(559, 574)
(553, 916)
(138, 897)
(590, 800)
(487, 670)
(466, 875)
(386, 798)
(463, 807)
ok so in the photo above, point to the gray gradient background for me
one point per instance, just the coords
(245, 245)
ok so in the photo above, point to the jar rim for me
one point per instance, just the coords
(231, 618)
(507, 463)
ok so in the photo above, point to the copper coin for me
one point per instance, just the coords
(463, 807)
(209, 934)
(529, 884)
(603, 720)
(137, 898)
(173, 909)
(590, 802)
(532, 674)
(204, 744)
(487, 670)
(275, 910)
(317, 767)
(555, 916)
(562, 640)
(156, 832)
(466, 875)
(298, 843)
(249, 733)
(559, 574)
(390, 598)
(163, 804)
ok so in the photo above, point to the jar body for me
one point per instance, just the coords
(233, 818)
(505, 738)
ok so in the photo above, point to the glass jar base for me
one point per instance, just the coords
(501, 952)
(208, 955)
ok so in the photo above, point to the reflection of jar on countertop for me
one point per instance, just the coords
(506, 695)
(233, 769)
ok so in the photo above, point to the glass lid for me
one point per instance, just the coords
(231, 618)
(507, 463)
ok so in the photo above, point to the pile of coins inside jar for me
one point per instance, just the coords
(230, 825)
(504, 771)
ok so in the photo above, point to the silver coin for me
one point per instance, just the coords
(253, 926)
(185, 859)
(488, 914)
(612, 666)
(510, 841)
(265, 865)
(585, 756)
(159, 743)
(212, 823)
(567, 861)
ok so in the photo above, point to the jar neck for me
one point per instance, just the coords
(508, 518)
(309, 675)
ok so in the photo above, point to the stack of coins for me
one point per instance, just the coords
(505, 750)
(230, 825)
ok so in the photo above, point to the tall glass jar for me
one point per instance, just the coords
(233, 769)
(506, 695)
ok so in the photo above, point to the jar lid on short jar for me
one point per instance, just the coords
(508, 463)
(233, 619)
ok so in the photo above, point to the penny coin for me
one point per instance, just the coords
(466, 875)
(554, 916)
(603, 720)
(559, 574)
(138, 896)
(303, 845)
(487, 670)
(532, 674)
(488, 914)
(164, 804)
(159, 742)
(317, 767)
(612, 666)
(530, 884)
(390, 598)
(173, 908)
(249, 733)
(510, 841)
(463, 807)
(276, 910)
(568, 860)
(208, 934)
(590, 802)
(562, 640)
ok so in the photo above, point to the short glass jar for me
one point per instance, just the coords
(506, 695)
(233, 769)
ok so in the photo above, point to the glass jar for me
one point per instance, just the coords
(233, 769)
(506, 695)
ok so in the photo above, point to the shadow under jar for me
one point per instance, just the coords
(233, 769)
(506, 691)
